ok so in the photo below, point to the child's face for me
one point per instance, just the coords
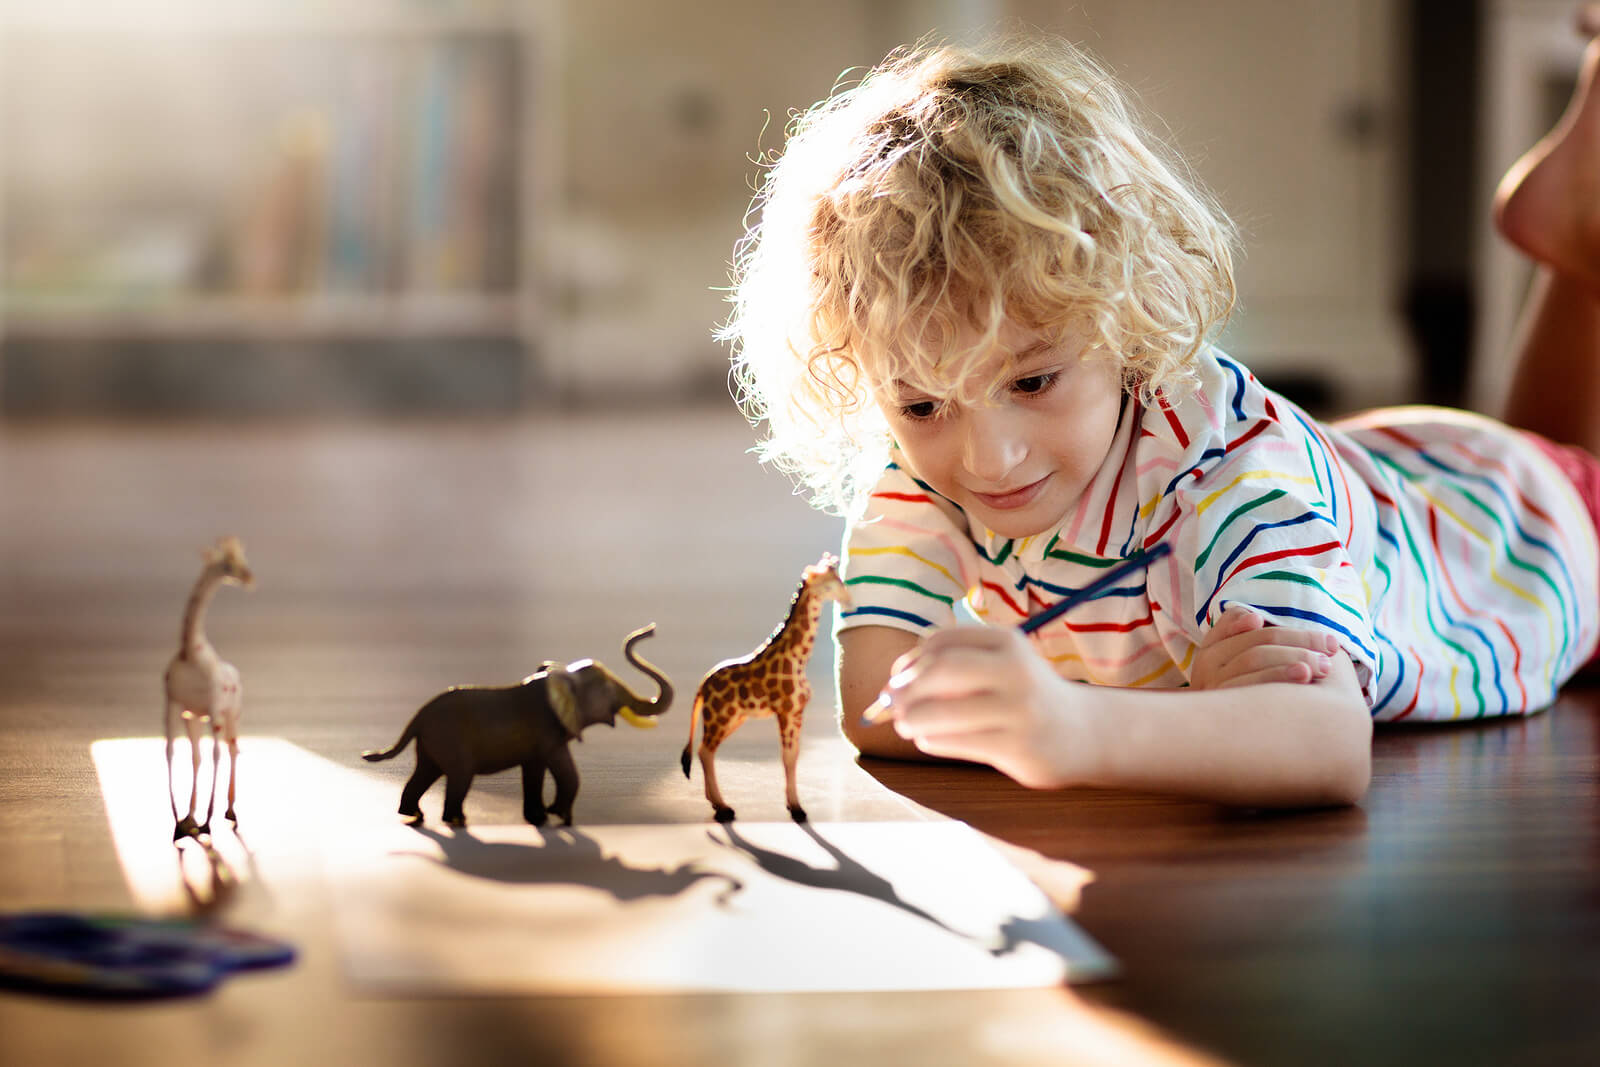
(1018, 462)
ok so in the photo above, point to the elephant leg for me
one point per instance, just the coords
(565, 772)
(789, 735)
(455, 793)
(709, 742)
(425, 775)
(533, 808)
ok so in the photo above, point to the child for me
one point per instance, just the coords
(974, 314)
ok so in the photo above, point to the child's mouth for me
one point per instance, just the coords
(1014, 499)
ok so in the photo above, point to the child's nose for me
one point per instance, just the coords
(994, 445)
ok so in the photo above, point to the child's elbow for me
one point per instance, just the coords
(855, 731)
(1349, 770)
(1350, 785)
(878, 739)
(1340, 747)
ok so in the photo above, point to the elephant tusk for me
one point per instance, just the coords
(633, 718)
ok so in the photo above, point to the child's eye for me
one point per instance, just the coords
(920, 409)
(1035, 383)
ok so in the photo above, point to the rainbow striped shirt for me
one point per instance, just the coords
(1454, 562)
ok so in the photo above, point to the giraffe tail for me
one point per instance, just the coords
(694, 714)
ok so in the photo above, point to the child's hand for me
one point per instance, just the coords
(984, 694)
(1243, 649)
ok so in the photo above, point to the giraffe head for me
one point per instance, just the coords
(822, 579)
(227, 559)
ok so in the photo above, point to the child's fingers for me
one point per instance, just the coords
(1276, 664)
(933, 717)
(954, 663)
(1236, 619)
(979, 746)
(1294, 674)
(1231, 648)
(949, 674)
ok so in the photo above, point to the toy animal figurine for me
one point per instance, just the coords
(769, 681)
(471, 730)
(203, 691)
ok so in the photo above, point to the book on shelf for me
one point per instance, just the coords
(386, 168)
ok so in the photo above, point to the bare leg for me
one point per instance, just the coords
(1555, 383)
(1548, 205)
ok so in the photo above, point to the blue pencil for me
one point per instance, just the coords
(1136, 562)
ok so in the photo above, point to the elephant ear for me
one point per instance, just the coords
(563, 699)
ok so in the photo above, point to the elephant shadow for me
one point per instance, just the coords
(567, 857)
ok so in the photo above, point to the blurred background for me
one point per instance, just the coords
(336, 207)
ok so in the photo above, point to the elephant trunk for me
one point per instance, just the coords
(664, 693)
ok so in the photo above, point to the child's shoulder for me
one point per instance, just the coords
(1221, 400)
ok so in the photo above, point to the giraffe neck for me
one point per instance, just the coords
(194, 644)
(795, 638)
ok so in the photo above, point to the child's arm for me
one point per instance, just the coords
(1244, 649)
(866, 657)
(983, 694)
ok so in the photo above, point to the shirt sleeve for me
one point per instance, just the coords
(1268, 539)
(907, 557)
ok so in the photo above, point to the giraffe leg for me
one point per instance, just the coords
(233, 778)
(173, 712)
(789, 736)
(711, 737)
(216, 769)
(192, 728)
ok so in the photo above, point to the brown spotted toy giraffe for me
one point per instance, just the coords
(202, 690)
(769, 681)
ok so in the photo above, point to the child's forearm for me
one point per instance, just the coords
(973, 693)
(1276, 745)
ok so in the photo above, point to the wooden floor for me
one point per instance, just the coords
(1454, 917)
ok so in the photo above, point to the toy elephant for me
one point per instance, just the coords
(470, 730)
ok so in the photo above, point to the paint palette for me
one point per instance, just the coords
(117, 957)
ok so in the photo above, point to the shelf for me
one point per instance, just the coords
(300, 318)
(187, 19)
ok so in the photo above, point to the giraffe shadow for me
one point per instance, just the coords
(212, 889)
(567, 857)
(211, 882)
(847, 875)
(851, 876)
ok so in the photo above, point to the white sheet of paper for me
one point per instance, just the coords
(759, 907)
(762, 907)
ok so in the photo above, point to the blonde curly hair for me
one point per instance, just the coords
(952, 189)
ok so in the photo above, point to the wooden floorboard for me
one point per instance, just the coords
(1453, 917)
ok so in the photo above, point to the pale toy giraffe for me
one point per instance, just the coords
(202, 690)
(769, 681)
